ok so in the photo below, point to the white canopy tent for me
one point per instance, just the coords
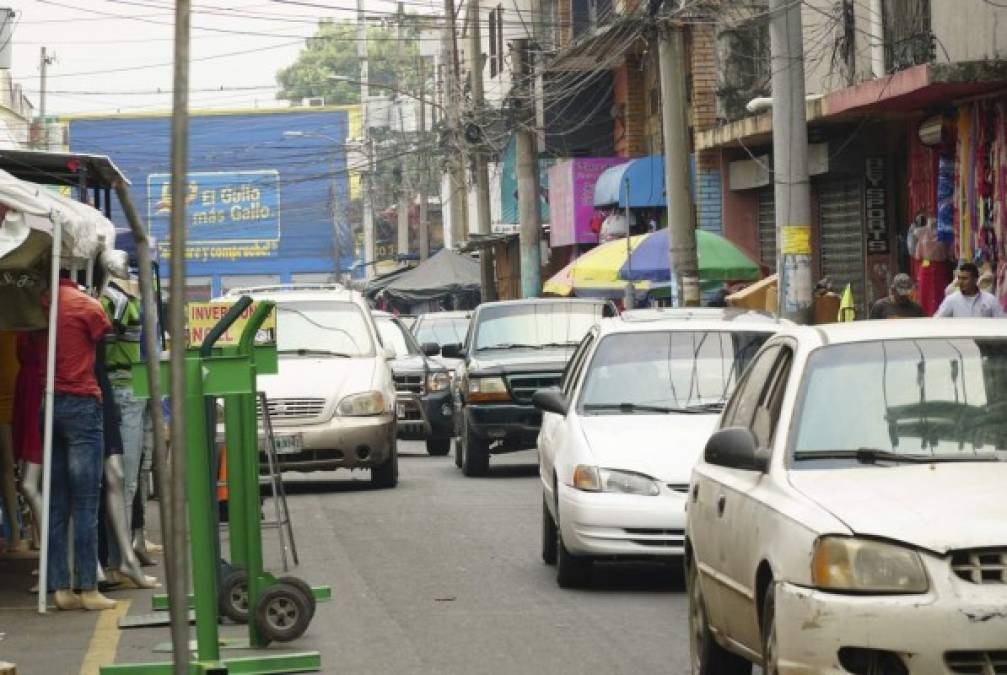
(80, 234)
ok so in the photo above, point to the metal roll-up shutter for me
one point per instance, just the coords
(767, 228)
(842, 236)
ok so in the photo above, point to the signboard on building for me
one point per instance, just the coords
(230, 215)
(571, 199)
(508, 185)
(203, 316)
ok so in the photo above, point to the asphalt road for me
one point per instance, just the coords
(439, 575)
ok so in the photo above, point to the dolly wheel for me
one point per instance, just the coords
(233, 595)
(305, 588)
(282, 613)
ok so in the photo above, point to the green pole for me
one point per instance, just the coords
(233, 423)
(200, 525)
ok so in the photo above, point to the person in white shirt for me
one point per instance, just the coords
(969, 300)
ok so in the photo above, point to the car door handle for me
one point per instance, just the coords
(721, 503)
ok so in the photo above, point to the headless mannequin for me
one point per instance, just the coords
(8, 482)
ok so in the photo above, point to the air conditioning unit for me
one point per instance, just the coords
(313, 102)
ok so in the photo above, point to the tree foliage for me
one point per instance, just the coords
(333, 51)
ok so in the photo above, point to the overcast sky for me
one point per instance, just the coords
(106, 50)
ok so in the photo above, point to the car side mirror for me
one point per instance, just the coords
(388, 353)
(551, 399)
(430, 348)
(453, 351)
(736, 448)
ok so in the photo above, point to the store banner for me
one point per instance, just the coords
(571, 199)
(203, 316)
(230, 215)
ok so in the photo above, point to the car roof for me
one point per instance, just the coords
(620, 325)
(296, 292)
(457, 314)
(702, 314)
(897, 329)
(545, 301)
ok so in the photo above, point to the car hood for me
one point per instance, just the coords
(940, 507)
(408, 364)
(326, 377)
(520, 360)
(662, 446)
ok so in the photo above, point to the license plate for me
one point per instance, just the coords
(400, 410)
(287, 444)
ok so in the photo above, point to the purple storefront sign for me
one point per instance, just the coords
(571, 199)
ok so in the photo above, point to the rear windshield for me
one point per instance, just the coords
(442, 331)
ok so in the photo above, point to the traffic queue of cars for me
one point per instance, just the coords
(833, 493)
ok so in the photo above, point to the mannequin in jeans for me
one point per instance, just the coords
(78, 448)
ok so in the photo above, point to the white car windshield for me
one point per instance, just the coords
(322, 328)
(535, 326)
(442, 331)
(394, 336)
(918, 399)
(667, 371)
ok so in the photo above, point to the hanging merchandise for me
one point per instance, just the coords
(946, 200)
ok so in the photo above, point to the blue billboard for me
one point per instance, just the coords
(267, 195)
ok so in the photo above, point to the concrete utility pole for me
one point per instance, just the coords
(424, 243)
(684, 263)
(790, 161)
(368, 182)
(488, 285)
(458, 193)
(44, 63)
(402, 212)
(527, 173)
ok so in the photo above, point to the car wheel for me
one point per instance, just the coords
(549, 535)
(386, 475)
(708, 658)
(458, 452)
(438, 447)
(770, 652)
(475, 455)
(572, 571)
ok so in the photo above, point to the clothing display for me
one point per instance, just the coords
(31, 355)
(24, 281)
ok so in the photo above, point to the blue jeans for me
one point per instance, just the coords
(131, 413)
(77, 466)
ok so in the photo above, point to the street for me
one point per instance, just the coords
(440, 575)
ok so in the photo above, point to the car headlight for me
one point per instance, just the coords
(848, 564)
(366, 403)
(483, 389)
(594, 479)
(438, 381)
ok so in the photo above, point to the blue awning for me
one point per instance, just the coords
(646, 184)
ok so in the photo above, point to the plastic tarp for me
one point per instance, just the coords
(637, 184)
(86, 232)
(443, 274)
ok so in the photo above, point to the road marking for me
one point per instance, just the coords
(105, 641)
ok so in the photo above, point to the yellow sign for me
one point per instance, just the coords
(203, 316)
(796, 240)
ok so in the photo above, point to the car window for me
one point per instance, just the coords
(317, 327)
(395, 336)
(741, 408)
(767, 413)
(573, 366)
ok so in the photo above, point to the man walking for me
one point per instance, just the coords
(899, 304)
(969, 300)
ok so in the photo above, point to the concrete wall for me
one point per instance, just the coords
(968, 30)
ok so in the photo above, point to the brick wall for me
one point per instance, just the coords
(630, 134)
(702, 55)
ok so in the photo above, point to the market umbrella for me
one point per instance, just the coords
(719, 260)
(597, 271)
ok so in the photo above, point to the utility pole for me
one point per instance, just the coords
(44, 63)
(529, 215)
(487, 283)
(790, 161)
(368, 182)
(684, 263)
(458, 193)
(402, 241)
(424, 177)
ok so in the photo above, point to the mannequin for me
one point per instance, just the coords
(8, 489)
(31, 354)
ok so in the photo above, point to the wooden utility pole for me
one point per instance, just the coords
(683, 261)
(487, 282)
(44, 62)
(528, 196)
(790, 161)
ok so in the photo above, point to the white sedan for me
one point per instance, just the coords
(619, 437)
(850, 515)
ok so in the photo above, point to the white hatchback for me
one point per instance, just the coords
(850, 515)
(620, 435)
